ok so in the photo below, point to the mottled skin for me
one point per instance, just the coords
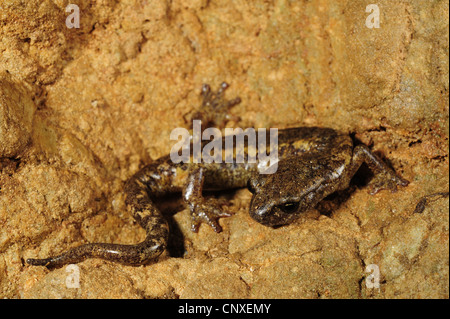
(313, 163)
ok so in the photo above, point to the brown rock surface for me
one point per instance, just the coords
(85, 108)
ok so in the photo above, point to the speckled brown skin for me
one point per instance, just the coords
(302, 181)
(148, 217)
(313, 163)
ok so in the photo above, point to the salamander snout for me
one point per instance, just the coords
(271, 213)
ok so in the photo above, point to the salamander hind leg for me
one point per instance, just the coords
(202, 210)
(148, 217)
(214, 110)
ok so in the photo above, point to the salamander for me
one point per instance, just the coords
(313, 162)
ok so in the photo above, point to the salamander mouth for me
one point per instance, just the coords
(275, 215)
(285, 211)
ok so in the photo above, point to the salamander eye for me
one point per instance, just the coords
(289, 208)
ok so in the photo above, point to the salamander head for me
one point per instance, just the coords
(280, 198)
(273, 213)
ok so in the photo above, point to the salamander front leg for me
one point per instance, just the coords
(385, 177)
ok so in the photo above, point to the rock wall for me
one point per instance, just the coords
(82, 109)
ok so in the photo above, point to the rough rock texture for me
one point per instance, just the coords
(16, 116)
(82, 109)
